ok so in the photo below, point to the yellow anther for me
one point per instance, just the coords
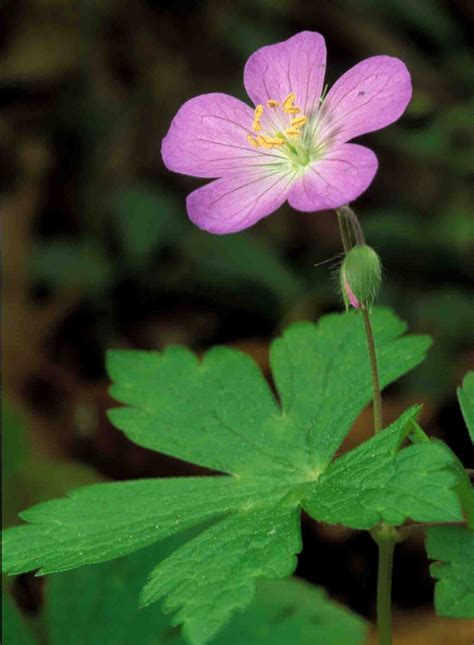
(292, 132)
(256, 126)
(299, 121)
(253, 141)
(258, 112)
(273, 141)
(272, 103)
(263, 141)
(288, 104)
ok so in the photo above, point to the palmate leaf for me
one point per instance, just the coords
(453, 546)
(221, 413)
(379, 482)
(466, 401)
(98, 606)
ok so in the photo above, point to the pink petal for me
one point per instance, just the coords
(208, 138)
(351, 295)
(235, 202)
(337, 179)
(294, 65)
(370, 96)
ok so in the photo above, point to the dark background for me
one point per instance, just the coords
(98, 251)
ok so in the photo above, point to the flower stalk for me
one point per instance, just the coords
(348, 221)
(385, 536)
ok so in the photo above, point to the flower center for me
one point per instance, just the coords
(281, 128)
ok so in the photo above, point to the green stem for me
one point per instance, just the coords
(386, 538)
(344, 231)
(349, 215)
(347, 219)
(376, 392)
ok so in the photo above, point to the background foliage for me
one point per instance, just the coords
(99, 252)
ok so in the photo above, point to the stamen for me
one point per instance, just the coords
(293, 132)
(288, 104)
(299, 121)
(253, 141)
(256, 126)
(271, 103)
(262, 141)
(258, 112)
(273, 141)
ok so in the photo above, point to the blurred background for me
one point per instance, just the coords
(98, 251)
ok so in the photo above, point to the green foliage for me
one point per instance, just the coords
(220, 413)
(145, 221)
(15, 629)
(466, 401)
(379, 482)
(72, 264)
(454, 547)
(214, 575)
(243, 263)
(29, 478)
(98, 606)
(292, 611)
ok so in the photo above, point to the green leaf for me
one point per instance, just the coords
(466, 401)
(72, 264)
(29, 478)
(323, 374)
(259, 542)
(243, 264)
(99, 605)
(95, 605)
(292, 611)
(465, 488)
(454, 591)
(145, 220)
(220, 413)
(379, 482)
(15, 628)
(105, 521)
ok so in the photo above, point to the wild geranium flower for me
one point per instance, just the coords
(293, 145)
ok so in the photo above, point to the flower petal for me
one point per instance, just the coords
(337, 179)
(370, 96)
(294, 65)
(208, 138)
(235, 202)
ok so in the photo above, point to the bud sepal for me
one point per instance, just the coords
(360, 276)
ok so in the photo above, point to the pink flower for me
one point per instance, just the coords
(293, 144)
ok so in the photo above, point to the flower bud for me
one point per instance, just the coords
(360, 276)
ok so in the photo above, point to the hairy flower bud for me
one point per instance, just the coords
(360, 276)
